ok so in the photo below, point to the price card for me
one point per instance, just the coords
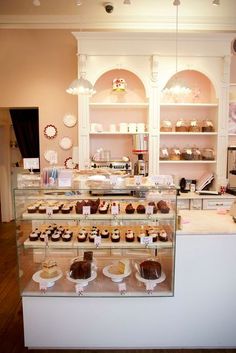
(115, 209)
(49, 211)
(86, 210)
(113, 179)
(65, 178)
(43, 286)
(149, 210)
(155, 179)
(122, 288)
(31, 163)
(79, 289)
(138, 179)
(97, 240)
(146, 240)
(150, 286)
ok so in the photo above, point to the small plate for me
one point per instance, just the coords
(82, 282)
(154, 281)
(69, 120)
(49, 281)
(115, 278)
(65, 143)
(50, 156)
(50, 131)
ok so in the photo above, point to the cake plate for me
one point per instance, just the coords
(115, 278)
(48, 281)
(152, 281)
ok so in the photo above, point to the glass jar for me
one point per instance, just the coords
(181, 126)
(194, 126)
(166, 126)
(175, 153)
(208, 154)
(197, 155)
(187, 154)
(164, 153)
(207, 126)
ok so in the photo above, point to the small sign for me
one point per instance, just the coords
(49, 211)
(122, 288)
(31, 163)
(79, 289)
(149, 210)
(43, 286)
(146, 240)
(138, 179)
(114, 210)
(86, 210)
(65, 178)
(150, 286)
(97, 240)
(113, 179)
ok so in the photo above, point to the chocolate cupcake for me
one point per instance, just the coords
(129, 236)
(141, 209)
(33, 236)
(163, 236)
(105, 234)
(129, 209)
(163, 207)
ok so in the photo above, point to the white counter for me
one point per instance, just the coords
(206, 222)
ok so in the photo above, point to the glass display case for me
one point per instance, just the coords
(95, 242)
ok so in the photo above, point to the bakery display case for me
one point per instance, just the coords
(72, 242)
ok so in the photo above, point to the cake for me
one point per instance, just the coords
(163, 236)
(122, 267)
(129, 209)
(150, 269)
(129, 236)
(141, 209)
(80, 269)
(163, 207)
(49, 269)
(103, 207)
(88, 256)
(104, 234)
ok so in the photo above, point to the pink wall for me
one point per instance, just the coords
(233, 69)
(36, 66)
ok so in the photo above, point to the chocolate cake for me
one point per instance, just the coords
(152, 203)
(80, 269)
(150, 269)
(163, 207)
(129, 209)
(88, 256)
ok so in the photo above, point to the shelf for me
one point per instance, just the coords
(190, 105)
(187, 162)
(189, 133)
(118, 105)
(117, 133)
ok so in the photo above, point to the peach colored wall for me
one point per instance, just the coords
(36, 66)
(233, 69)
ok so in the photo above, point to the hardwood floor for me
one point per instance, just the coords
(11, 324)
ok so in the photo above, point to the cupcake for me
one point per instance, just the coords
(115, 236)
(55, 209)
(140, 236)
(141, 209)
(42, 209)
(104, 234)
(129, 209)
(163, 236)
(129, 236)
(31, 209)
(67, 236)
(81, 237)
(103, 207)
(65, 209)
(163, 207)
(56, 236)
(42, 236)
(33, 236)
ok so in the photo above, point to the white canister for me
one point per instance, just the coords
(140, 127)
(132, 127)
(123, 127)
(112, 127)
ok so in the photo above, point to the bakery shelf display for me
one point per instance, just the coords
(71, 243)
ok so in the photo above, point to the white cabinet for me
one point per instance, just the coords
(213, 204)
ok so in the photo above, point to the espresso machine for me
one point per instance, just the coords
(231, 170)
(140, 148)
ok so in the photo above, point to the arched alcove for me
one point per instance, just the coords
(189, 86)
(134, 93)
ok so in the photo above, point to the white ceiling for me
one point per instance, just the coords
(142, 15)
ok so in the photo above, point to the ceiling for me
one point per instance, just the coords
(140, 15)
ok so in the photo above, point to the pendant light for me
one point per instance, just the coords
(81, 85)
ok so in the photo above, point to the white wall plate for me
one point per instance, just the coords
(50, 131)
(65, 143)
(69, 120)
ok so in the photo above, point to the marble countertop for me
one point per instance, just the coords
(206, 222)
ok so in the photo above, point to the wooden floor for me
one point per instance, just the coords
(11, 325)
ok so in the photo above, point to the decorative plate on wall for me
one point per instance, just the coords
(50, 156)
(50, 131)
(69, 120)
(69, 164)
(65, 143)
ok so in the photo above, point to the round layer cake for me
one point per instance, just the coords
(150, 269)
(80, 269)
